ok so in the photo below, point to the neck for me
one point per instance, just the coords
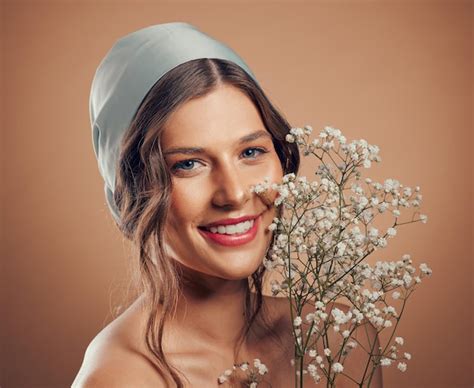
(213, 309)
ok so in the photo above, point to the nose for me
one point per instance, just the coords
(231, 188)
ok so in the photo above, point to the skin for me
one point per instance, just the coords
(208, 185)
(213, 185)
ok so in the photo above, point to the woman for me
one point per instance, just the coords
(178, 170)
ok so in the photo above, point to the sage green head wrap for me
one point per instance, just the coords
(126, 74)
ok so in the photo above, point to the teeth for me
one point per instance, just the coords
(232, 229)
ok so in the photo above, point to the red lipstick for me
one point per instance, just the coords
(232, 240)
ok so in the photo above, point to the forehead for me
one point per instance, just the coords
(221, 116)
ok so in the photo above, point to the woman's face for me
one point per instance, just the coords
(216, 147)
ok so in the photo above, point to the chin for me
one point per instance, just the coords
(238, 268)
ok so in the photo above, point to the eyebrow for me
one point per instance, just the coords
(197, 150)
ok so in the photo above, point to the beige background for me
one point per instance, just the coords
(396, 73)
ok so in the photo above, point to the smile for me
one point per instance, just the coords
(232, 235)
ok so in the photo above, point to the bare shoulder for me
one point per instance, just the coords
(107, 363)
(111, 361)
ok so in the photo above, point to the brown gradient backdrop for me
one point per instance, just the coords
(398, 74)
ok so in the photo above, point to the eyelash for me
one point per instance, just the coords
(176, 166)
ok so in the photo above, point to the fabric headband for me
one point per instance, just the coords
(126, 74)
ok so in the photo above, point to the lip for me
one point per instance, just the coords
(235, 239)
(230, 221)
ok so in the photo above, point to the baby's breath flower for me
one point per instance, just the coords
(425, 269)
(337, 367)
(335, 232)
(352, 344)
(391, 232)
(402, 366)
(272, 227)
(312, 369)
(399, 340)
(262, 369)
(395, 295)
(387, 323)
(310, 317)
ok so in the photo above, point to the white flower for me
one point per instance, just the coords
(425, 269)
(337, 367)
(244, 366)
(272, 226)
(402, 366)
(308, 129)
(318, 226)
(222, 379)
(423, 218)
(382, 207)
(407, 279)
(407, 356)
(391, 232)
(399, 340)
(253, 385)
(352, 344)
(341, 248)
(390, 310)
(262, 369)
(390, 185)
(373, 232)
(312, 369)
(310, 317)
(297, 131)
(395, 295)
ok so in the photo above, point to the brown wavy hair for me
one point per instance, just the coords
(143, 187)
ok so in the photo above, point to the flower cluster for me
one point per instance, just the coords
(325, 231)
(253, 374)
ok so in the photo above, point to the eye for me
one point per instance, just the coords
(186, 165)
(190, 164)
(251, 153)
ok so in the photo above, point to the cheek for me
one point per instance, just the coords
(186, 204)
(275, 172)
